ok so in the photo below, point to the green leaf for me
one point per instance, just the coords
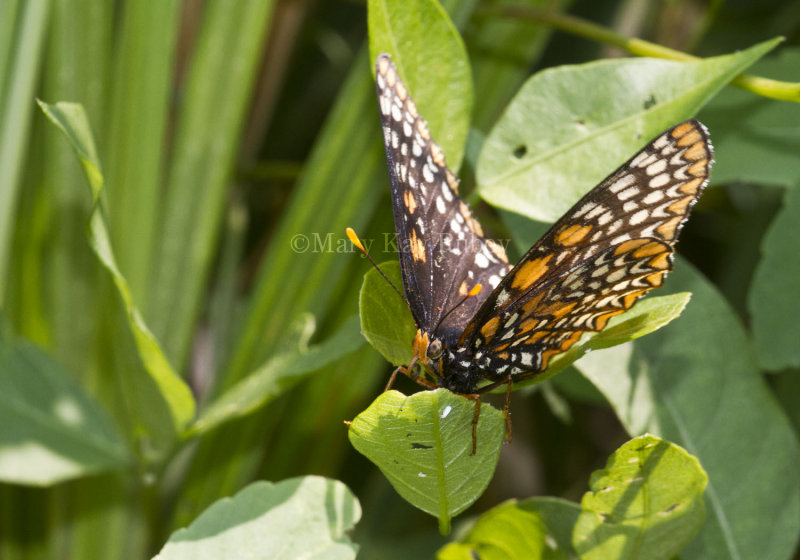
(441, 85)
(569, 127)
(305, 517)
(386, 320)
(755, 138)
(423, 445)
(697, 384)
(774, 297)
(276, 377)
(52, 430)
(533, 528)
(72, 121)
(647, 503)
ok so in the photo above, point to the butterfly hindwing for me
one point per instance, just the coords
(615, 244)
(443, 253)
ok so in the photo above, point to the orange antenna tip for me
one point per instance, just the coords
(476, 289)
(351, 235)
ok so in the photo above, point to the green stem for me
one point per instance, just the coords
(785, 91)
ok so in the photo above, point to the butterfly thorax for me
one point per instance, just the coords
(452, 367)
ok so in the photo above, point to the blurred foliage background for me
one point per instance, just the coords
(238, 140)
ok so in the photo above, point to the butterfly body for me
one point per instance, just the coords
(482, 323)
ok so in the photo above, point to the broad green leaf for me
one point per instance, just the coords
(697, 384)
(386, 320)
(277, 376)
(569, 127)
(539, 528)
(774, 297)
(756, 139)
(305, 517)
(647, 503)
(432, 61)
(423, 445)
(52, 430)
(72, 121)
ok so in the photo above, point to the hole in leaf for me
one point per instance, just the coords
(520, 151)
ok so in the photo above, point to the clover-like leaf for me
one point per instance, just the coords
(646, 503)
(423, 445)
(306, 517)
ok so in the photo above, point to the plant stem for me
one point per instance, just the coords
(785, 91)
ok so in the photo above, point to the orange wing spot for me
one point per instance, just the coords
(661, 262)
(532, 304)
(423, 130)
(547, 354)
(411, 108)
(452, 180)
(535, 337)
(420, 346)
(629, 246)
(682, 129)
(391, 76)
(503, 347)
(699, 168)
(680, 206)
(503, 355)
(383, 65)
(691, 187)
(631, 298)
(527, 274)
(408, 200)
(437, 155)
(601, 321)
(648, 250)
(490, 328)
(417, 247)
(572, 235)
(559, 310)
(655, 279)
(401, 90)
(697, 151)
(528, 325)
(691, 137)
(497, 249)
(667, 229)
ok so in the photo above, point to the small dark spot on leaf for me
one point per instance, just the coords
(420, 446)
(649, 102)
(671, 508)
(520, 151)
(581, 122)
(408, 434)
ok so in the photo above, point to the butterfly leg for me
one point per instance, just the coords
(398, 369)
(507, 409)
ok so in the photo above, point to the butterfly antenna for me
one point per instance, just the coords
(351, 235)
(476, 289)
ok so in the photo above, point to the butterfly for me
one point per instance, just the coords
(481, 323)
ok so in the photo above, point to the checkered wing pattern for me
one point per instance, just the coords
(443, 253)
(614, 245)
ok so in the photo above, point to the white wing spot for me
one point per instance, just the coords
(481, 260)
(448, 195)
(639, 217)
(623, 182)
(440, 205)
(628, 193)
(656, 168)
(653, 197)
(659, 181)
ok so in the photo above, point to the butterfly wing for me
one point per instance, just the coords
(613, 246)
(443, 253)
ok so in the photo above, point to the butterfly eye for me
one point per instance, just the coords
(435, 349)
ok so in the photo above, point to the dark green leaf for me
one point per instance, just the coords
(423, 445)
(71, 119)
(386, 321)
(52, 430)
(277, 376)
(306, 517)
(569, 127)
(534, 528)
(774, 297)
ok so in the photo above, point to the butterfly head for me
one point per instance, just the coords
(450, 368)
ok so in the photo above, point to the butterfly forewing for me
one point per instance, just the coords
(614, 245)
(443, 253)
